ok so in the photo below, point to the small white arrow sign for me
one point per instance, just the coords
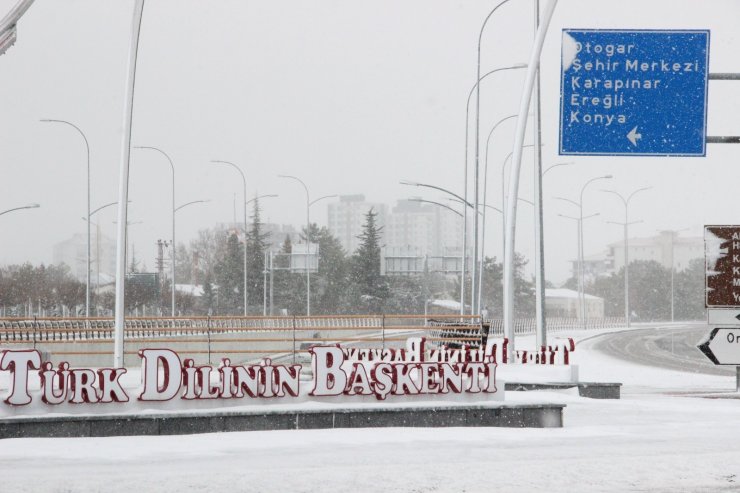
(723, 316)
(633, 136)
(722, 346)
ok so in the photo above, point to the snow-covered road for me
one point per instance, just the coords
(654, 439)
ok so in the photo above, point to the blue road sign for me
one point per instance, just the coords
(634, 93)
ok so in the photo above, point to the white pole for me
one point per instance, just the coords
(476, 175)
(539, 257)
(120, 306)
(521, 127)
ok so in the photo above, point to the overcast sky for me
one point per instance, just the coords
(350, 96)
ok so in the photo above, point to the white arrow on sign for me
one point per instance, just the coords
(633, 136)
(722, 346)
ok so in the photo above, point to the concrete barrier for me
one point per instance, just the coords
(504, 415)
(593, 390)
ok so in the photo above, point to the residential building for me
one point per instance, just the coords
(666, 248)
(565, 303)
(73, 252)
(347, 216)
(428, 228)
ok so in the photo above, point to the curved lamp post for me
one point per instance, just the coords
(87, 268)
(465, 173)
(465, 215)
(503, 198)
(308, 240)
(97, 247)
(417, 199)
(476, 89)
(7, 24)
(29, 206)
(172, 265)
(581, 256)
(579, 227)
(265, 196)
(625, 225)
(244, 184)
(174, 211)
(478, 77)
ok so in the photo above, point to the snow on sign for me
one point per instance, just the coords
(722, 346)
(641, 93)
(722, 253)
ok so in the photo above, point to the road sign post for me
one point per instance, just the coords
(722, 298)
(637, 92)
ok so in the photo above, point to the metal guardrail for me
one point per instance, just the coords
(264, 335)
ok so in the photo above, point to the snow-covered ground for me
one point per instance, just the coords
(659, 437)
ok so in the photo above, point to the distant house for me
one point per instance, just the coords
(565, 303)
(666, 248)
(194, 290)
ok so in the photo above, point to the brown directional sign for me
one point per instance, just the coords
(722, 253)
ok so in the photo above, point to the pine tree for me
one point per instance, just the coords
(330, 295)
(257, 242)
(229, 277)
(369, 287)
(289, 287)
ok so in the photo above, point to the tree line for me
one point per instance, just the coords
(345, 283)
(650, 291)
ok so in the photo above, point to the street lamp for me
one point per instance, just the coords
(322, 198)
(174, 211)
(579, 227)
(503, 198)
(475, 89)
(7, 24)
(172, 265)
(87, 267)
(579, 204)
(477, 288)
(625, 224)
(568, 163)
(308, 239)
(244, 183)
(417, 199)
(268, 195)
(29, 206)
(477, 148)
(191, 203)
(465, 222)
(97, 248)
